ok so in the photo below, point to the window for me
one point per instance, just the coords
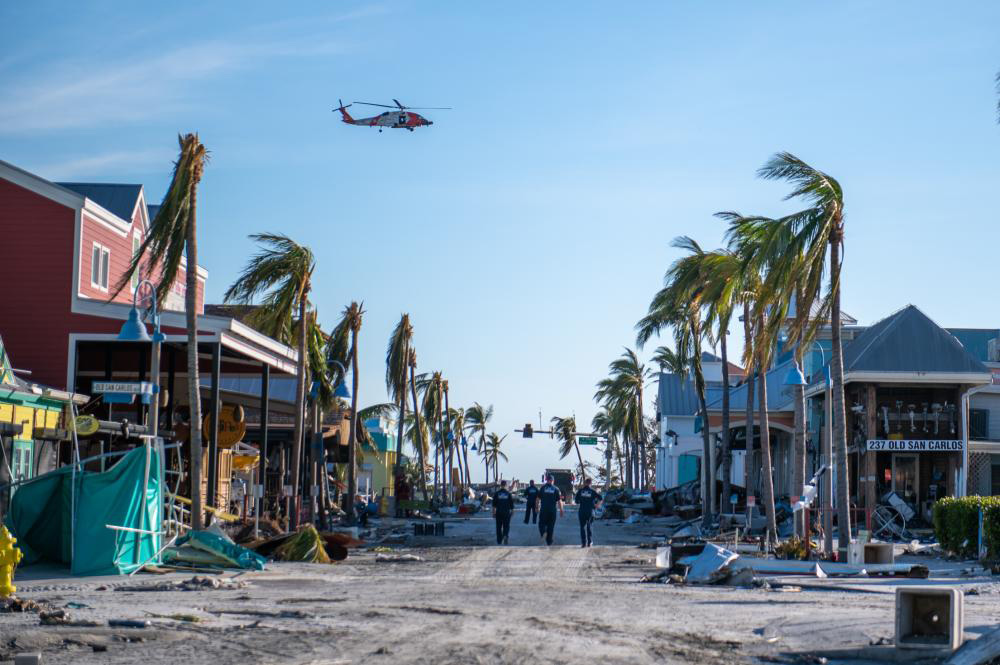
(979, 424)
(136, 243)
(100, 260)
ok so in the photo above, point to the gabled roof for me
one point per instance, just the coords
(908, 341)
(976, 340)
(845, 318)
(778, 394)
(679, 397)
(117, 199)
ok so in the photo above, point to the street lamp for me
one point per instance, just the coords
(795, 378)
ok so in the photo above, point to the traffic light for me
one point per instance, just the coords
(528, 432)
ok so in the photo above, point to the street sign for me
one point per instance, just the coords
(587, 440)
(128, 387)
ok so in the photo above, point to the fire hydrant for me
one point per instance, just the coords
(9, 557)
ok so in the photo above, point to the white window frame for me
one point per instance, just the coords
(103, 267)
(136, 244)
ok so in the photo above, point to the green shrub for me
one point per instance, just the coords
(956, 524)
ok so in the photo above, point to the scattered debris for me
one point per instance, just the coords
(394, 558)
(187, 618)
(193, 584)
(129, 623)
(709, 567)
(428, 610)
(61, 617)
(306, 545)
(279, 614)
(15, 604)
(208, 547)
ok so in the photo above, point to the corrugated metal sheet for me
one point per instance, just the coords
(118, 199)
(976, 340)
(909, 341)
(680, 398)
(779, 395)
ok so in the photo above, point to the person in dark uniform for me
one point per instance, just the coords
(549, 498)
(587, 499)
(531, 510)
(503, 510)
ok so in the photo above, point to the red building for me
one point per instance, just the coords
(65, 246)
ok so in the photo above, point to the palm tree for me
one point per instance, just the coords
(565, 431)
(477, 417)
(421, 440)
(281, 272)
(605, 422)
(397, 357)
(679, 304)
(349, 327)
(812, 230)
(172, 237)
(670, 362)
(456, 427)
(626, 382)
(493, 453)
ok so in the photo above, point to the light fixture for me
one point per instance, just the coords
(342, 391)
(474, 449)
(133, 330)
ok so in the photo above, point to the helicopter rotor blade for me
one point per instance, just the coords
(373, 104)
(428, 108)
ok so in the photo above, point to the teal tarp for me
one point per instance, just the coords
(40, 516)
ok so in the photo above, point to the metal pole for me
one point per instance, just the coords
(265, 390)
(828, 477)
(211, 498)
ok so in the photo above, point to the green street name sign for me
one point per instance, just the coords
(587, 440)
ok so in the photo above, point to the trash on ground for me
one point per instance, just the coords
(15, 604)
(129, 623)
(306, 545)
(222, 549)
(390, 558)
(193, 584)
(709, 567)
(61, 617)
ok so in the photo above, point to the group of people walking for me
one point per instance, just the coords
(543, 503)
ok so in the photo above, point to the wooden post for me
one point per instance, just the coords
(869, 468)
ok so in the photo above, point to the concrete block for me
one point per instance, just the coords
(28, 659)
(929, 618)
(862, 553)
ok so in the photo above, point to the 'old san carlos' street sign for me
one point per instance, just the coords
(917, 445)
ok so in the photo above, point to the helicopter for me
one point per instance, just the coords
(400, 118)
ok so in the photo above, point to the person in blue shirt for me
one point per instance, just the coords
(587, 499)
(549, 498)
(531, 510)
(503, 510)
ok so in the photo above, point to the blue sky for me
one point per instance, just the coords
(527, 229)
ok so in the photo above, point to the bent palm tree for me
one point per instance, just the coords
(565, 430)
(813, 230)
(493, 453)
(477, 417)
(350, 326)
(397, 368)
(421, 439)
(281, 272)
(172, 237)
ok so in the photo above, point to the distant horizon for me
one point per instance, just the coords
(527, 229)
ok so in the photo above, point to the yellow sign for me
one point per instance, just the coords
(231, 430)
(86, 425)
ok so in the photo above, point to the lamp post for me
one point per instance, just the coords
(134, 330)
(795, 378)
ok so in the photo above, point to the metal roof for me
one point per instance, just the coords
(679, 397)
(151, 211)
(117, 199)
(976, 340)
(778, 394)
(909, 341)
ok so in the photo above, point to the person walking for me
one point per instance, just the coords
(587, 499)
(531, 495)
(503, 510)
(549, 498)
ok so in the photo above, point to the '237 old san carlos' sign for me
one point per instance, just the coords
(917, 445)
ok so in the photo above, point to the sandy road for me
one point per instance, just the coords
(467, 603)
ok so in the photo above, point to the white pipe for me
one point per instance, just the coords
(963, 488)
